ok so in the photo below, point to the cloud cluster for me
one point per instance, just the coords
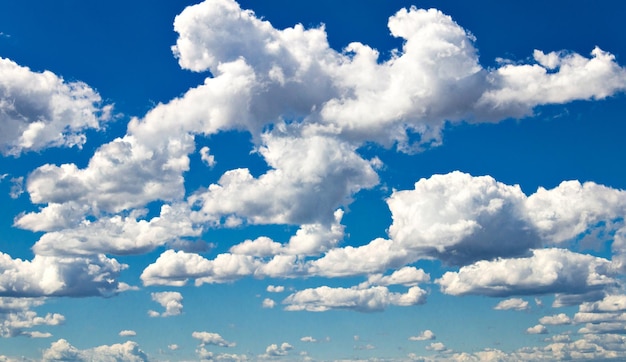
(41, 110)
(62, 350)
(17, 318)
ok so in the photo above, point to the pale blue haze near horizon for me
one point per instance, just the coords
(312, 181)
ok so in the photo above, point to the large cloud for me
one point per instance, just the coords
(371, 299)
(62, 350)
(41, 110)
(546, 271)
(59, 276)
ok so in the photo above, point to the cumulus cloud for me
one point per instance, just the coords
(17, 318)
(372, 299)
(557, 319)
(62, 350)
(459, 219)
(513, 303)
(274, 350)
(206, 157)
(546, 271)
(171, 301)
(538, 329)
(423, 336)
(209, 338)
(127, 333)
(308, 339)
(275, 288)
(60, 276)
(268, 303)
(40, 110)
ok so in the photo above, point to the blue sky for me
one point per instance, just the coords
(312, 181)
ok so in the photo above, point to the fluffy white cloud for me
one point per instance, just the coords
(275, 288)
(59, 276)
(274, 350)
(610, 303)
(41, 110)
(119, 235)
(557, 319)
(513, 303)
(546, 271)
(127, 333)
(437, 346)
(171, 301)
(268, 303)
(372, 299)
(206, 157)
(308, 339)
(407, 276)
(212, 339)
(16, 318)
(321, 173)
(423, 336)
(459, 219)
(62, 350)
(538, 329)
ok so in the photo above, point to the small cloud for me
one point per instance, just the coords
(356, 338)
(308, 339)
(171, 301)
(424, 336)
(366, 347)
(127, 333)
(557, 319)
(274, 350)
(17, 187)
(173, 347)
(538, 329)
(212, 338)
(37, 334)
(437, 347)
(206, 157)
(275, 288)
(513, 303)
(268, 303)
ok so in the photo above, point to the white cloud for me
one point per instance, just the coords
(275, 288)
(407, 276)
(538, 329)
(460, 219)
(173, 347)
(423, 336)
(206, 157)
(300, 168)
(308, 339)
(127, 333)
(372, 299)
(437, 347)
(610, 303)
(119, 235)
(557, 319)
(618, 327)
(16, 318)
(513, 303)
(60, 276)
(62, 350)
(212, 339)
(268, 303)
(274, 350)
(546, 271)
(41, 110)
(171, 301)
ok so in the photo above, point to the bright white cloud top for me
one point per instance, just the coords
(284, 183)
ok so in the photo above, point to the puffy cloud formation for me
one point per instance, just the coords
(556, 319)
(513, 303)
(41, 110)
(423, 336)
(372, 299)
(59, 276)
(274, 350)
(212, 339)
(268, 303)
(171, 301)
(62, 350)
(17, 318)
(546, 271)
(538, 329)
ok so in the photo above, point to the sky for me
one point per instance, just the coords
(312, 181)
